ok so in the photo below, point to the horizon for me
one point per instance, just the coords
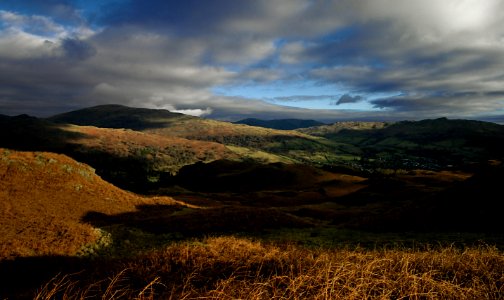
(499, 121)
(333, 60)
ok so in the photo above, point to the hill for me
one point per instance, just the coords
(362, 146)
(232, 176)
(289, 145)
(43, 197)
(431, 143)
(282, 124)
(127, 158)
(323, 130)
(119, 116)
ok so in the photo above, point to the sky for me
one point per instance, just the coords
(228, 59)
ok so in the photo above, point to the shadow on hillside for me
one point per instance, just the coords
(27, 133)
(137, 123)
(472, 205)
(118, 116)
(189, 222)
(22, 277)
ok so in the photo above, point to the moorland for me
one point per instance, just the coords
(120, 202)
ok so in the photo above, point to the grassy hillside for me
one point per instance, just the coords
(43, 197)
(282, 124)
(119, 116)
(128, 158)
(291, 145)
(349, 211)
(233, 176)
(324, 130)
(431, 144)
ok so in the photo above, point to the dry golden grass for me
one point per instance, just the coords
(170, 152)
(43, 197)
(196, 128)
(233, 268)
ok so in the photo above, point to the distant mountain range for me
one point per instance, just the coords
(282, 124)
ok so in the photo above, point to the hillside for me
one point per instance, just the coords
(43, 197)
(291, 145)
(166, 123)
(363, 146)
(324, 130)
(119, 116)
(282, 124)
(430, 144)
(125, 157)
(249, 210)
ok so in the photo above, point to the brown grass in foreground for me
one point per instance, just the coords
(233, 268)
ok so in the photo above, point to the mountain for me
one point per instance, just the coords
(119, 116)
(282, 124)
(43, 197)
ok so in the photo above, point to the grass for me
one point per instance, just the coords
(236, 268)
(333, 237)
(43, 197)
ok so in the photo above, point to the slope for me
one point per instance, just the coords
(292, 145)
(43, 197)
(324, 130)
(282, 124)
(119, 116)
(124, 157)
(432, 143)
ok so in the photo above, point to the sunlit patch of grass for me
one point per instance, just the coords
(258, 155)
(234, 268)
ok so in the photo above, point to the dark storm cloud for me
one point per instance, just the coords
(410, 58)
(262, 110)
(77, 49)
(298, 98)
(347, 98)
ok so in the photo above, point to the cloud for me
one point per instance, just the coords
(298, 98)
(61, 11)
(445, 104)
(39, 25)
(433, 57)
(77, 49)
(197, 112)
(347, 98)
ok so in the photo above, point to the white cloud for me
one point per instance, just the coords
(36, 24)
(198, 112)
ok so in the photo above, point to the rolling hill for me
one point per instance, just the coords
(289, 145)
(325, 130)
(282, 124)
(119, 116)
(127, 158)
(57, 216)
(43, 197)
(427, 144)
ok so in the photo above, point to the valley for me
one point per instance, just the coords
(111, 185)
